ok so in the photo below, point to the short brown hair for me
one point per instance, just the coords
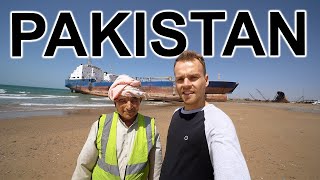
(191, 56)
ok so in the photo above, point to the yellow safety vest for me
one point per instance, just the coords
(138, 164)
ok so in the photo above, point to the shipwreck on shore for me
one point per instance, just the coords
(89, 79)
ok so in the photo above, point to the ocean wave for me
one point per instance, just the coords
(2, 91)
(23, 92)
(14, 95)
(24, 96)
(67, 105)
(155, 103)
(100, 99)
(56, 96)
(36, 109)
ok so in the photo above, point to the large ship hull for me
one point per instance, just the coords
(156, 90)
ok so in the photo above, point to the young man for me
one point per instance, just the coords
(202, 142)
(124, 144)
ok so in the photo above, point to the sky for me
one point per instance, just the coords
(296, 77)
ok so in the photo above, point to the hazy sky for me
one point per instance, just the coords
(294, 76)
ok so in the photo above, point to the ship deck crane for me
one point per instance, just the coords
(252, 97)
(262, 95)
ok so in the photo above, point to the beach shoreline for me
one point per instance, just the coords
(278, 140)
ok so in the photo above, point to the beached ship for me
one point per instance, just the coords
(90, 79)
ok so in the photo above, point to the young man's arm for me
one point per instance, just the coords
(224, 147)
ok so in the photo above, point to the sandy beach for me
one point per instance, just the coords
(279, 141)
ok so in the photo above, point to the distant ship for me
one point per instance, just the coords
(90, 79)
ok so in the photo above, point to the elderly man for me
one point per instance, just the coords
(124, 144)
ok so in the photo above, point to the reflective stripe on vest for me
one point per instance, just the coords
(107, 164)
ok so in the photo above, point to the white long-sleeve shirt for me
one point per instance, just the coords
(125, 140)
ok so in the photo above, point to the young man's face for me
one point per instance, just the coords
(191, 83)
(127, 107)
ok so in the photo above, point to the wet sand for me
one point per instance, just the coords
(279, 141)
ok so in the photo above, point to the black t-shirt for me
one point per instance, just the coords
(187, 155)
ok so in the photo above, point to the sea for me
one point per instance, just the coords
(23, 101)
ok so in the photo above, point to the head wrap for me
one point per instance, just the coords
(126, 86)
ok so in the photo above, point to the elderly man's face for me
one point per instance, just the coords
(127, 107)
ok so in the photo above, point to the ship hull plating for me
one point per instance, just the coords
(156, 90)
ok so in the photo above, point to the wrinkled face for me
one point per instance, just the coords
(191, 83)
(127, 107)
